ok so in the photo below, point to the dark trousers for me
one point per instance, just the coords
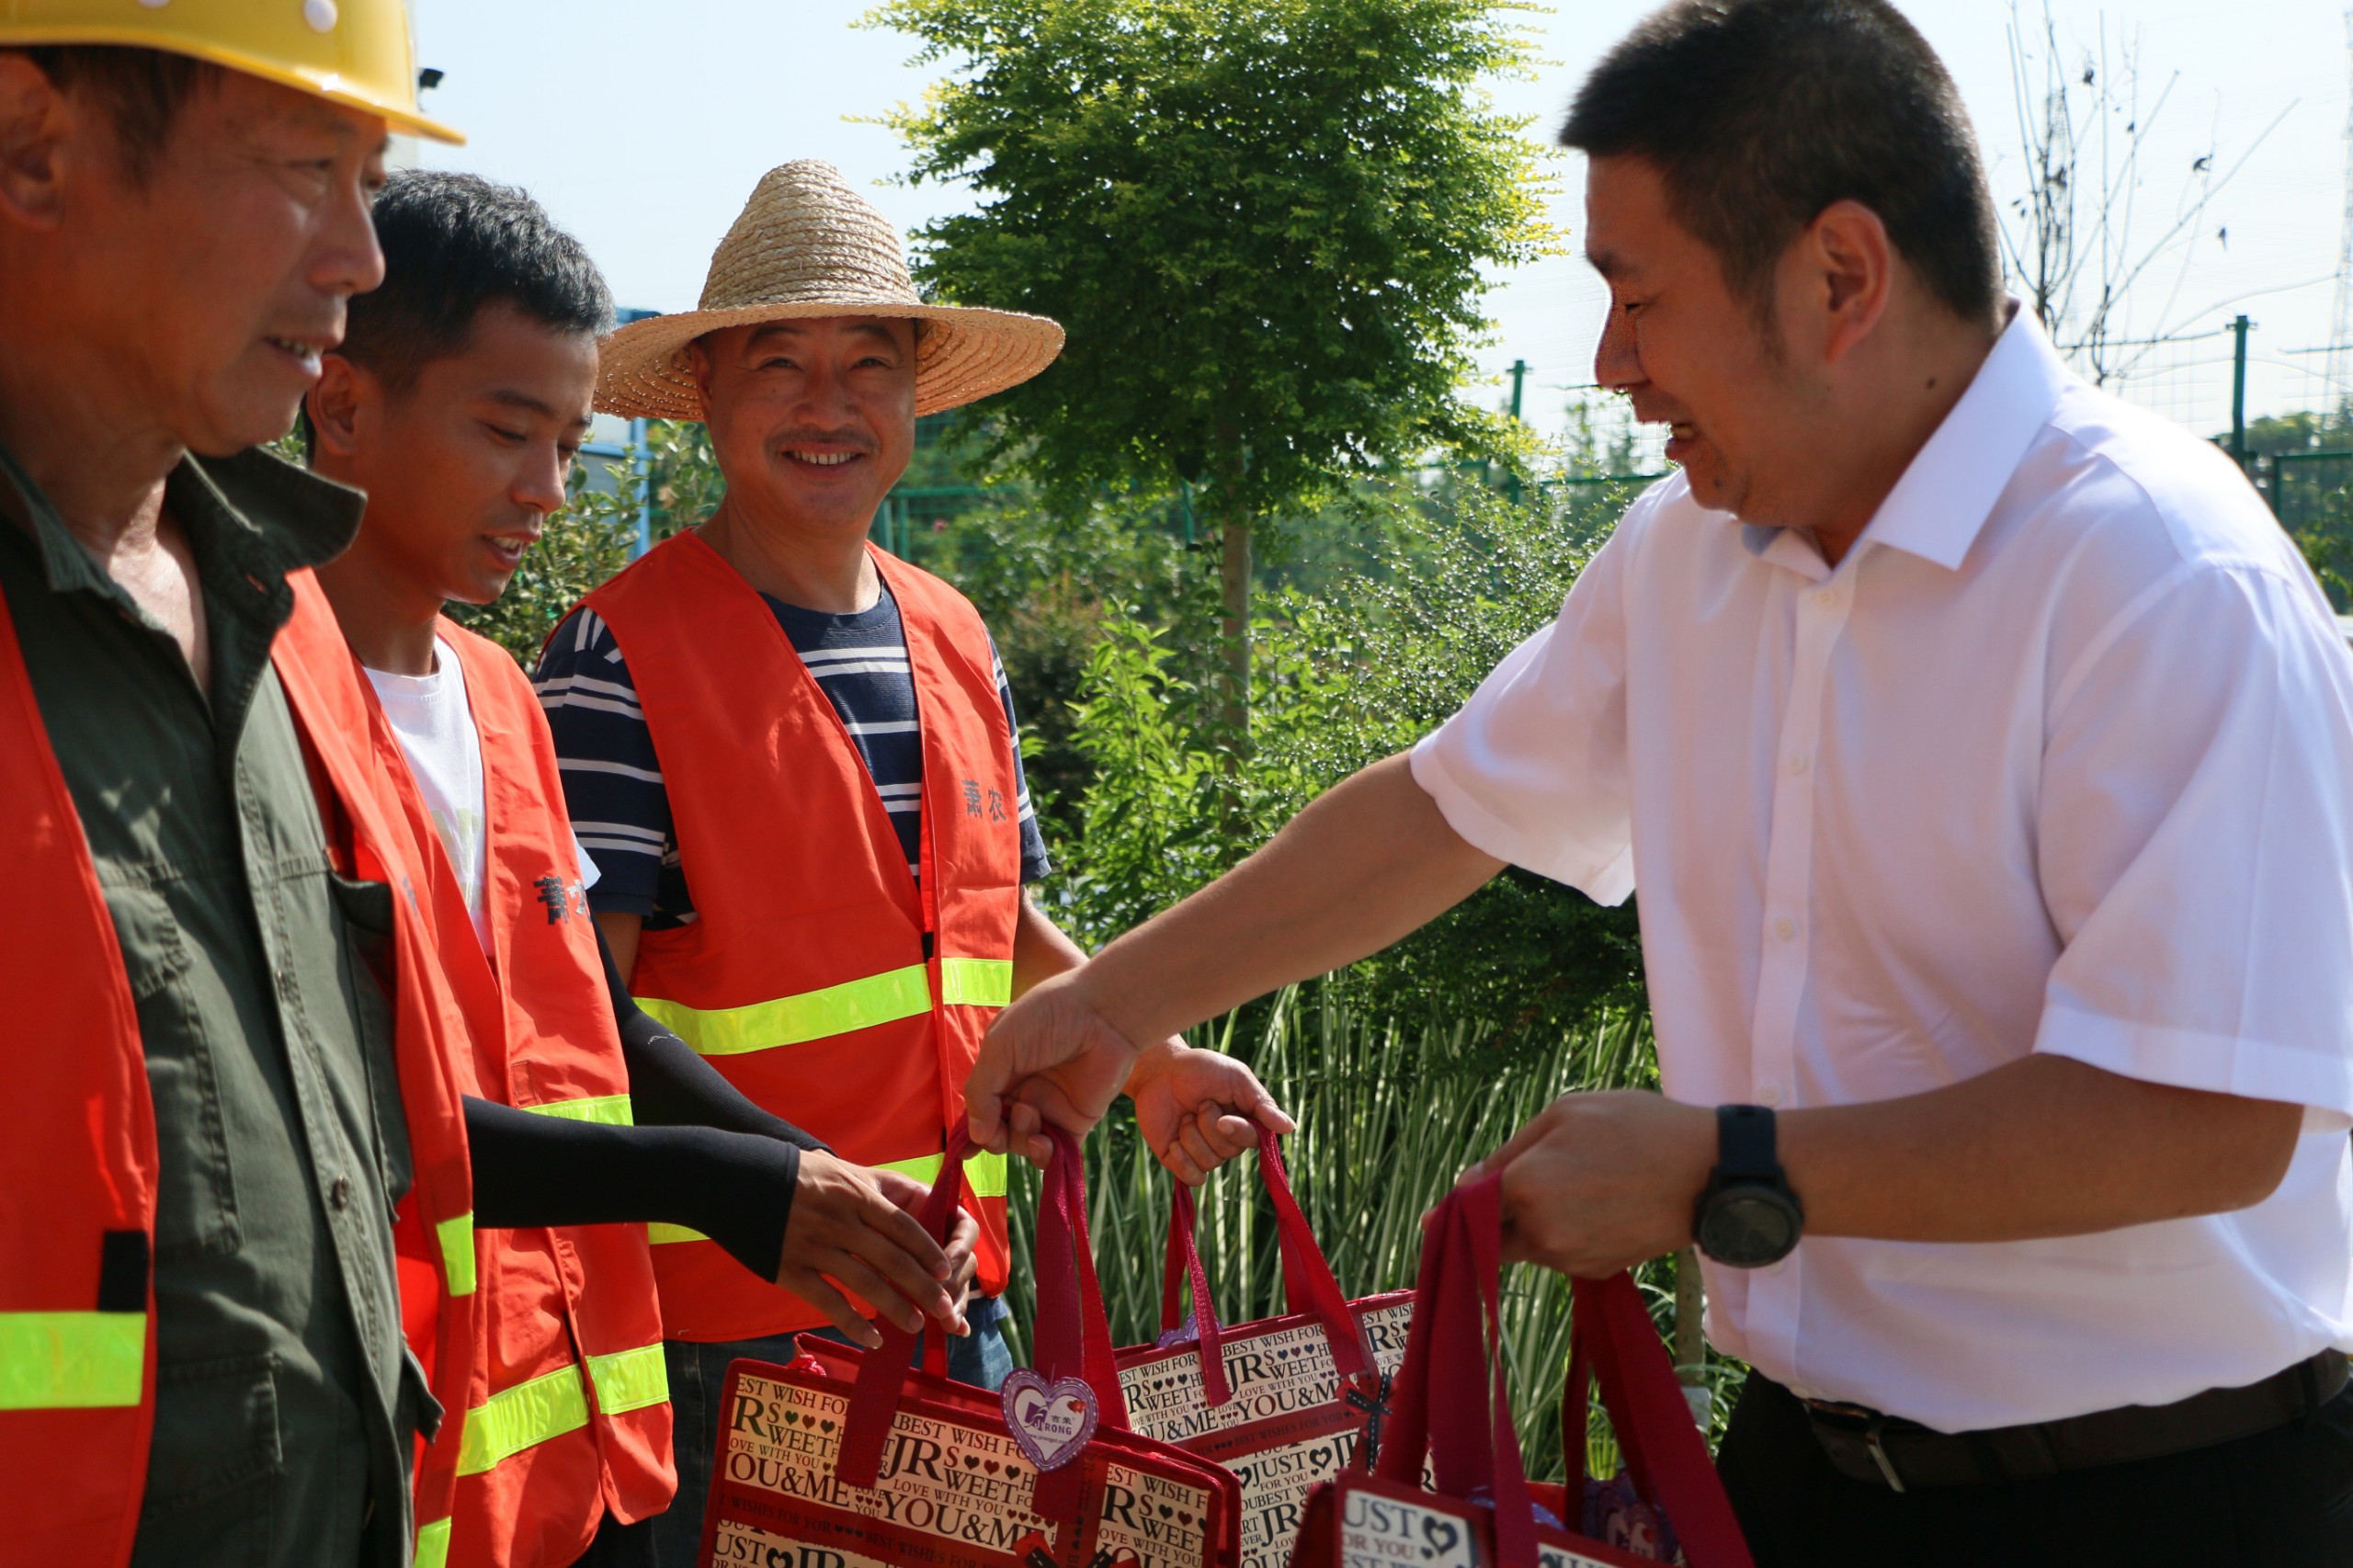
(2280, 1499)
(697, 1380)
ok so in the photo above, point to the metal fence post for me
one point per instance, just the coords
(2238, 390)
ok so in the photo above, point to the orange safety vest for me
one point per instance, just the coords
(815, 976)
(77, 1131)
(569, 1415)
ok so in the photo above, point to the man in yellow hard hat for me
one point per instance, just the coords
(214, 1099)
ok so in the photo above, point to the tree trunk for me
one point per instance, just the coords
(1234, 573)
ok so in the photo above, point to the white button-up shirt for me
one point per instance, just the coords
(2059, 758)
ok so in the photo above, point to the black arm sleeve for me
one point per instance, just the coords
(735, 1188)
(669, 1085)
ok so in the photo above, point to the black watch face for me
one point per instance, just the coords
(1748, 1227)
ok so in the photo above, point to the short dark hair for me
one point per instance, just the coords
(143, 91)
(1761, 113)
(453, 245)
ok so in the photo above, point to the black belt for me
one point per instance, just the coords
(1901, 1454)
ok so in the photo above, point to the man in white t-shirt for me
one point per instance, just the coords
(1984, 752)
(436, 735)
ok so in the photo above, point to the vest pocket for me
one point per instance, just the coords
(214, 1471)
(196, 1208)
(365, 910)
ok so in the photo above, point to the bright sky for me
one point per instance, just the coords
(643, 128)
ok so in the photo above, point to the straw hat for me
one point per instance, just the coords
(806, 246)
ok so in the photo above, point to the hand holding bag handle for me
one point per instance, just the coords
(1449, 1401)
(1308, 1284)
(1612, 1341)
(1073, 1337)
(1456, 1300)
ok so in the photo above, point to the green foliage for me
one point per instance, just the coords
(1389, 1116)
(1347, 679)
(1263, 222)
(2313, 498)
(2304, 463)
(2307, 430)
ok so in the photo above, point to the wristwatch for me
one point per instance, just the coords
(1747, 1217)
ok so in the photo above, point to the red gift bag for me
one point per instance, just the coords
(851, 1460)
(1449, 1402)
(1282, 1403)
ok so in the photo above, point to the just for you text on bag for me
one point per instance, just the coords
(844, 1459)
(1284, 1402)
(1449, 1403)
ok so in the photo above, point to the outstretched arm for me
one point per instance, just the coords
(1196, 1109)
(1367, 863)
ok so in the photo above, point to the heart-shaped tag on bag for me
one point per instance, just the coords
(1050, 1421)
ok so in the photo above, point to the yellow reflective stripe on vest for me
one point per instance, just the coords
(514, 1419)
(976, 983)
(794, 1020)
(837, 1009)
(986, 1171)
(72, 1361)
(611, 1110)
(433, 1544)
(658, 1234)
(457, 1252)
(628, 1379)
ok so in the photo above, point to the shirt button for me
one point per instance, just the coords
(339, 1194)
(1785, 927)
(1797, 766)
(1826, 597)
(1769, 1094)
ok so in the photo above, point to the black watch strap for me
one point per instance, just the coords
(1744, 1145)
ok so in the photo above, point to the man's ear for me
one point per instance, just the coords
(35, 126)
(699, 367)
(335, 406)
(1851, 268)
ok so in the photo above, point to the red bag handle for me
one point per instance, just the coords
(1073, 1339)
(1449, 1401)
(1612, 1341)
(1308, 1283)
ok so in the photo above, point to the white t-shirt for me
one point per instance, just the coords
(436, 727)
(2059, 758)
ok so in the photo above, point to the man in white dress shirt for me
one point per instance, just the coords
(1985, 754)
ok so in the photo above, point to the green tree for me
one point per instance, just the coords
(1264, 223)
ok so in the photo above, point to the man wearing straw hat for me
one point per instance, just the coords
(793, 757)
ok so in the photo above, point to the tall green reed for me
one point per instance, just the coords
(1388, 1119)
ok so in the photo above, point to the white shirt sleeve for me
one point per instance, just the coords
(588, 872)
(1532, 769)
(2194, 826)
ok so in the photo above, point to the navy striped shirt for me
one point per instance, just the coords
(612, 780)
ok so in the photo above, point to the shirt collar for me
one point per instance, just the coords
(249, 516)
(1937, 508)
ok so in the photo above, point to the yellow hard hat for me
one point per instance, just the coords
(348, 52)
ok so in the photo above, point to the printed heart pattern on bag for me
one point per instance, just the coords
(1050, 1421)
